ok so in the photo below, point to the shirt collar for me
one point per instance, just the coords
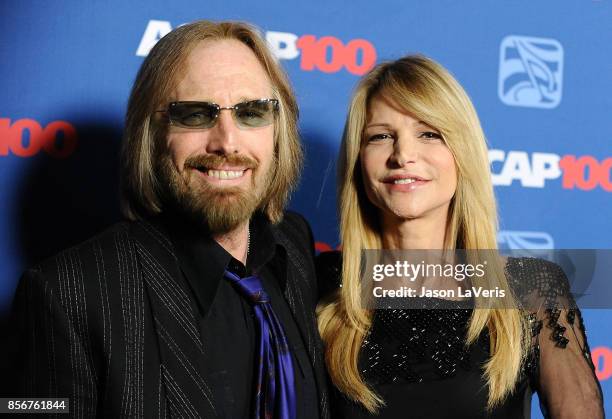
(203, 261)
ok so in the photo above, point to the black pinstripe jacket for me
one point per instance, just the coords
(111, 325)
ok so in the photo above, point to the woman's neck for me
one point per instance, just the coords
(415, 233)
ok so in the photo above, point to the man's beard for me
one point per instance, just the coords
(216, 209)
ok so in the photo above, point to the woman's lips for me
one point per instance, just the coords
(404, 184)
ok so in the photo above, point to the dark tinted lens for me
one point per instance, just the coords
(256, 113)
(193, 115)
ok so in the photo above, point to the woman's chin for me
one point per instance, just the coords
(404, 214)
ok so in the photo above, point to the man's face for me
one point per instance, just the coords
(219, 175)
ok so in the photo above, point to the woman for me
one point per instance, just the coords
(414, 174)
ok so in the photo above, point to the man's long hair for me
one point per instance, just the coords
(141, 191)
(427, 91)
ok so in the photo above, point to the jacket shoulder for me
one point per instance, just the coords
(294, 231)
(329, 272)
(110, 241)
(295, 225)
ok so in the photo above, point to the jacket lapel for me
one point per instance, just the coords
(175, 322)
(301, 298)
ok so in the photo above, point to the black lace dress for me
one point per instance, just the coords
(416, 360)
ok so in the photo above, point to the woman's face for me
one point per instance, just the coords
(408, 171)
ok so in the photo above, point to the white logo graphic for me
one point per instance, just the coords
(530, 72)
(283, 44)
(524, 240)
(156, 30)
(532, 171)
(536, 244)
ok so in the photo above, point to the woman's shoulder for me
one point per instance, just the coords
(538, 282)
(329, 272)
(525, 267)
(544, 293)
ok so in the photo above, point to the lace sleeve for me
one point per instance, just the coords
(562, 371)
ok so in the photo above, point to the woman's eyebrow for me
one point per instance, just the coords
(424, 124)
(378, 124)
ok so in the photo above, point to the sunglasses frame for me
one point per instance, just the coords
(218, 109)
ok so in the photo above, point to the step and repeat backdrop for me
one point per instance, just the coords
(539, 74)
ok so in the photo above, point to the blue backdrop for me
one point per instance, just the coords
(539, 74)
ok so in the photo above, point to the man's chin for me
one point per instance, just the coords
(225, 192)
(217, 209)
(225, 218)
(221, 211)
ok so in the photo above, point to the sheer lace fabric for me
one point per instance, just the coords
(560, 368)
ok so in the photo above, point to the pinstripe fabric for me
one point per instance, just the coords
(301, 294)
(111, 324)
(107, 328)
(71, 295)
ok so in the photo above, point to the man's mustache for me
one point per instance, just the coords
(211, 161)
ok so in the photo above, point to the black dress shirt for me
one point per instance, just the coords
(226, 318)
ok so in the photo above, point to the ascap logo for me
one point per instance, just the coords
(536, 240)
(602, 359)
(26, 138)
(327, 54)
(323, 247)
(314, 52)
(530, 71)
(155, 30)
(532, 171)
(506, 239)
(537, 244)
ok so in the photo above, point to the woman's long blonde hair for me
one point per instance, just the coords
(428, 92)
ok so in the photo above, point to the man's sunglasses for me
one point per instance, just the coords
(201, 115)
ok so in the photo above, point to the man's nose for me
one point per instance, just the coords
(224, 135)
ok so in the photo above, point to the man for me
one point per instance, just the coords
(202, 305)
